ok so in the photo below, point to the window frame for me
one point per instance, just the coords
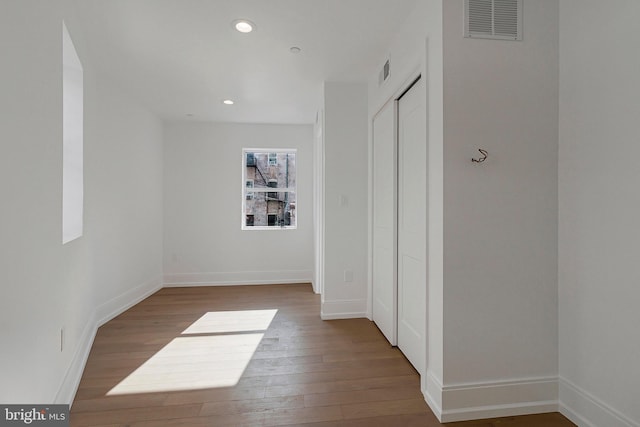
(267, 190)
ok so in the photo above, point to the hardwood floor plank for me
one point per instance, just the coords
(255, 405)
(344, 385)
(404, 420)
(215, 395)
(116, 403)
(374, 395)
(391, 407)
(251, 356)
(125, 416)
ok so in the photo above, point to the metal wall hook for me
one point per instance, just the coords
(483, 158)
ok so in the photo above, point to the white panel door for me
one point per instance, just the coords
(412, 225)
(384, 296)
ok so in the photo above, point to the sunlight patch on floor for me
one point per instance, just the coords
(232, 321)
(212, 352)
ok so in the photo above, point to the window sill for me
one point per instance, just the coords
(249, 228)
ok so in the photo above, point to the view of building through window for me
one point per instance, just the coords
(269, 189)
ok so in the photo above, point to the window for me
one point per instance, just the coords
(273, 183)
(249, 184)
(269, 190)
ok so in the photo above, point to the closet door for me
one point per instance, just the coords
(384, 295)
(412, 225)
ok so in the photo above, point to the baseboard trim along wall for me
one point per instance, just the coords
(122, 303)
(343, 309)
(472, 401)
(586, 410)
(102, 314)
(178, 280)
(432, 392)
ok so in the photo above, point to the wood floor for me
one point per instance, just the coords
(254, 356)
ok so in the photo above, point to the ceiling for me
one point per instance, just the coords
(182, 58)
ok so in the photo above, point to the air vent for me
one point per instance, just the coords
(493, 19)
(384, 73)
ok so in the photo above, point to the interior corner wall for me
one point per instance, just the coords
(599, 211)
(500, 218)
(318, 201)
(345, 200)
(204, 243)
(47, 286)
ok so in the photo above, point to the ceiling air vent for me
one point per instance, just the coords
(493, 19)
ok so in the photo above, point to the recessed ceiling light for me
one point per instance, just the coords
(295, 49)
(243, 25)
(227, 102)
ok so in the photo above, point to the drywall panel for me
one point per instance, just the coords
(500, 216)
(52, 293)
(599, 209)
(345, 200)
(204, 243)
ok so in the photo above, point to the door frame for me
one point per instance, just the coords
(418, 359)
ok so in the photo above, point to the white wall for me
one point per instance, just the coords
(417, 48)
(500, 217)
(599, 211)
(204, 243)
(45, 285)
(345, 200)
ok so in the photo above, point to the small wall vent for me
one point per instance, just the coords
(384, 73)
(493, 19)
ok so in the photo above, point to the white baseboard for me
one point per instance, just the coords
(432, 391)
(343, 309)
(238, 278)
(586, 410)
(125, 301)
(315, 286)
(473, 401)
(102, 314)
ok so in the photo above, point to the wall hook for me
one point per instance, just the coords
(483, 158)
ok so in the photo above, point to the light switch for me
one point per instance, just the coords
(348, 276)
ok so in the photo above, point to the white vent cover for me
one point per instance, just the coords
(493, 19)
(383, 76)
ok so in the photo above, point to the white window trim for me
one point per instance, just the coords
(266, 189)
